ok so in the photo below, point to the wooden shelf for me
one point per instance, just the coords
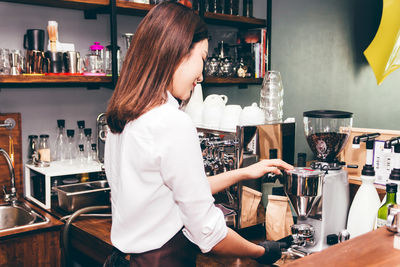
(130, 8)
(71, 4)
(220, 80)
(232, 20)
(43, 80)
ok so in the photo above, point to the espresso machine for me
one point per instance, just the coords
(320, 194)
(223, 151)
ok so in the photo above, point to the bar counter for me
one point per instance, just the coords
(90, 237)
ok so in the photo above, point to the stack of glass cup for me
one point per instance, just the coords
(271, 97)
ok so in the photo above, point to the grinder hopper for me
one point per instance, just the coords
(303, 186)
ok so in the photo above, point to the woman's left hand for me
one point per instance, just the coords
(262, 167)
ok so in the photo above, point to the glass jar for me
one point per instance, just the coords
(108, 60)
(44, 150)
(211, 67)
(32, 147)
(94, 60)
(226, 67)
(214, 6)
(231, 7)
(4, 61)
(248, 8)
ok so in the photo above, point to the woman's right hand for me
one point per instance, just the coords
(262, 167)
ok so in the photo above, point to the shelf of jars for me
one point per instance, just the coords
(233, 20)
(10, 80)
(231, 80)
(130, 8)
(71, 4)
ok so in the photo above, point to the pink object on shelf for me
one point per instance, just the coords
(96, 46)
(93, 74)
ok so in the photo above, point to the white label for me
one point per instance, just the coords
(380, 222)
(382, 162)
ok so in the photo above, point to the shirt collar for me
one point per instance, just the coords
(171, 100)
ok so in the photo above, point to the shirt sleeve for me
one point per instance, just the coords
(183, 172)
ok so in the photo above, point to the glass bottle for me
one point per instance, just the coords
(248, 8)
(32, 147)
(80, 135)
(108, 60)
(88, 142)
(61, 141)
(44, 150)
(71, 150)
(93, 153)
(81, 155)
(391, 190)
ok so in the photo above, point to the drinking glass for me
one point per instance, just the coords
(16, 62)
(4, 61)
(271, 97)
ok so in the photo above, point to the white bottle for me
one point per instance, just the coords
(93, 154)
(61, 142)
(364, 209)
(80, 135)
(88, 142)
(71, 149)
(80, 158)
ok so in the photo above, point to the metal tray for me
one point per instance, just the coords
(76, 196)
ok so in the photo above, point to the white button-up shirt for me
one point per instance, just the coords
(158, 184)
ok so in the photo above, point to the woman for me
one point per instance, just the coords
(161, 199)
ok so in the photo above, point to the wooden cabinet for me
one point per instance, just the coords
(31, 249)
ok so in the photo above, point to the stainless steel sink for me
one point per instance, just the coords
(18, 216)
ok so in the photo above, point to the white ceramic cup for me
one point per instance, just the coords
(252, 115)
(211, 116)
(213, 108)
(216, 100)
(230, 117)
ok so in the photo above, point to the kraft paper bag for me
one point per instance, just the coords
(278, 218)
(250, 200)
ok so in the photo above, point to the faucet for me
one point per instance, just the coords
(11, 197)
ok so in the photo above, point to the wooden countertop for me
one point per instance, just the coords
(372, 249)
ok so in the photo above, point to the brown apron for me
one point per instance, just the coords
(177, 252)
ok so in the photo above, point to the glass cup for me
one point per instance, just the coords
(271, 97)
(231, 7)
(15, 62)
(4, 61)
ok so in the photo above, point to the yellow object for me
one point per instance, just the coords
(84, 177)
(11, 148)
(52, 29)
(383, 54)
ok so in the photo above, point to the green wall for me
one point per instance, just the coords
(318, 48)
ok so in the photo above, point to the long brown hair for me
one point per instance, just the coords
(163, 39)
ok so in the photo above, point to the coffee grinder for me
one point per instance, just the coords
(320, 194)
